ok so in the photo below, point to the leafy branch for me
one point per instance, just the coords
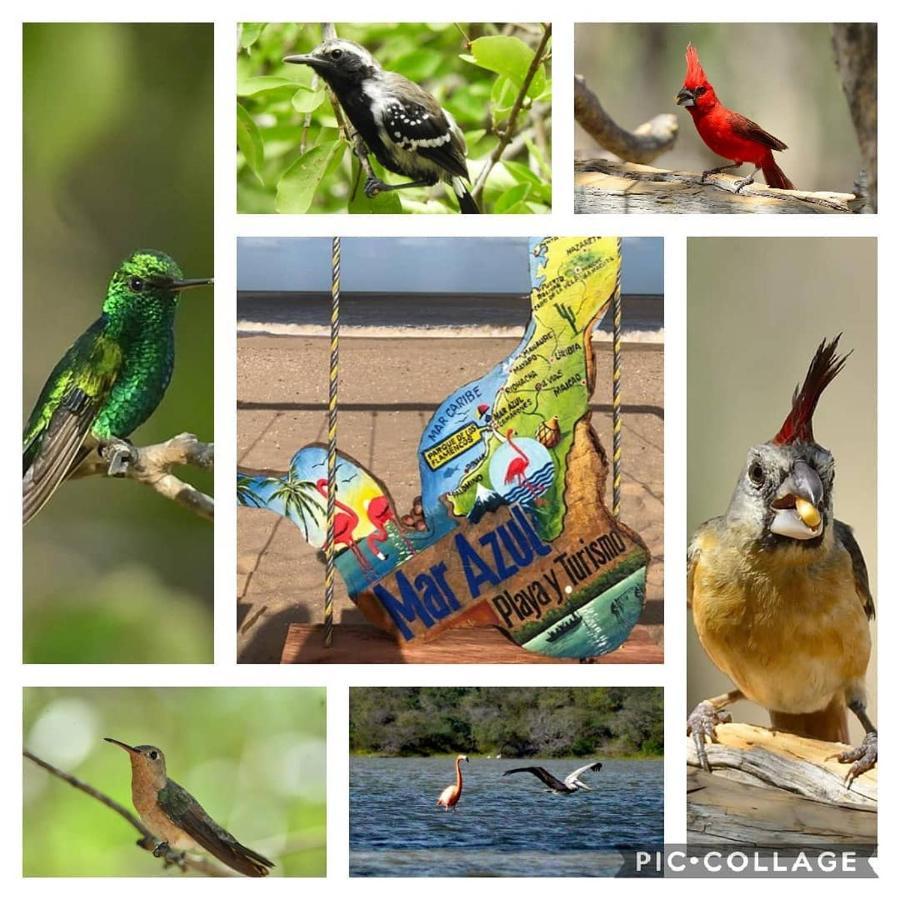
(511, 123)
(152, 465)
(148, 840)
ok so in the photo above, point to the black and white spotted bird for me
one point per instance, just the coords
(401, 123)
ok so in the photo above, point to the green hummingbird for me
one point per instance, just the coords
(109, 381)
(177, 820)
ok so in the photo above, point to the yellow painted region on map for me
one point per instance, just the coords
(452, 446)
(579, 281)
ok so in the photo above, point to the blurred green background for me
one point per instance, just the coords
(783, 76)
(118, 156)
(253, 757)
(283, 117)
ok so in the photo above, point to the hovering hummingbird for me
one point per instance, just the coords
(109, 381)
(177, 819)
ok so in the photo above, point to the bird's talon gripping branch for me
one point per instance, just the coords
(742, 183)
(119, 455)
(161, 850)
(701, 725)
(863, 757)
(374, 187)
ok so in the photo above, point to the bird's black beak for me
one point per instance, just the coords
(306, 59)
(187, 283)
(685, 97)
(127, 747)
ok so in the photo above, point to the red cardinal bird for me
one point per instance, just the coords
(726, 132)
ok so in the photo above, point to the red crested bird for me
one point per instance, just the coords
(780, 592)
(727, 132)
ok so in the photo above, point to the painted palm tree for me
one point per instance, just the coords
(248, 490)
(300, 499)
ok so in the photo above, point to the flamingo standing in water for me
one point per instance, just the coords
(515, 471)
(345, 524)
(451, 794)
(380, 513)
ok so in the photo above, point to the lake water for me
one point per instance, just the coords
(502, 826)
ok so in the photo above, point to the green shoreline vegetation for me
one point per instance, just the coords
(516, 722)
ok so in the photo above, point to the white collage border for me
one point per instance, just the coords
(675, 229)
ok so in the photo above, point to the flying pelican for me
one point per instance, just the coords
(451, 794)
(572, 782)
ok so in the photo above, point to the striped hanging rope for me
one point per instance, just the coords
(617, 385)
(332, 436)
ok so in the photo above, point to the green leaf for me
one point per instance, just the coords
(250, 32)
(260, 83)
(299, 183)
(306, 101)
(511, 198)
(510, 57)
(250, 141)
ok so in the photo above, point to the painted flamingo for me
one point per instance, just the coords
(515, 471)
(380, 513)
(345, 524)
(451, 794)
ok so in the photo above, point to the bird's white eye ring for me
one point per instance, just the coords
(756, 474)
(153, 754)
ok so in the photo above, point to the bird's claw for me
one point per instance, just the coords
(742, 183)
(161, 849)
(863, 757)
(119, 455)
(373, 187)
(701, 724)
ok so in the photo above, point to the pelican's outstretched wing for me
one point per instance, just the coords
(551, 781)
(573, 779)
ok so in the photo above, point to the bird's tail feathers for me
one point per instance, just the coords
(467, 203)
(829, 724)
(775, 177)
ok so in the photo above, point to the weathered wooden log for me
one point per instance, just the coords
(607, 186)
(773, 788)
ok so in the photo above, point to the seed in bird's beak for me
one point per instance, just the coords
(811, 517)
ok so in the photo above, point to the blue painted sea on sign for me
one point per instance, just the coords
(602, 624)
(502, 826)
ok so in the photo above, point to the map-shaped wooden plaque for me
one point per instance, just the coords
(511, 529)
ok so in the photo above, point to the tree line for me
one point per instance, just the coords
(516, 722)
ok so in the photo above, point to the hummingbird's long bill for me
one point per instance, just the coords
(121, 744)
(185, 283)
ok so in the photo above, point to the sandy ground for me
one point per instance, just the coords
(389, 388)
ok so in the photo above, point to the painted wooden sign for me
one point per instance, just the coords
(512, 529)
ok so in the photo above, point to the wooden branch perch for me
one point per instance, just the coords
(510, 131)
(643, 145)
(152, 465)
(148, 841)
(776, 788)
(606, 186)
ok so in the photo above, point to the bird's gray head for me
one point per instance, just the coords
(339, 62)
(784, 494)
(145, 759)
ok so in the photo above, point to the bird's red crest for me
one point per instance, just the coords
(825, 365)
(694, 75)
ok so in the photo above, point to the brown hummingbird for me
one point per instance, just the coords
(177, 819)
